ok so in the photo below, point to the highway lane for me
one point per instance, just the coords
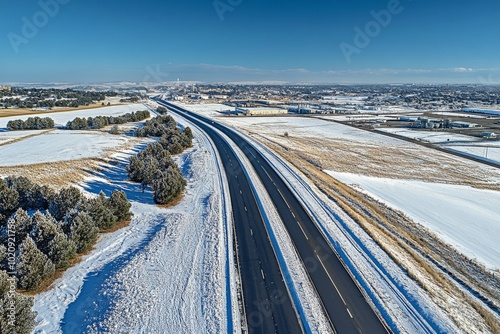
(267, 303)
(348, 310)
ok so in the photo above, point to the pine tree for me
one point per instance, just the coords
(120, 205)
(65, 201)
(9, 199)
(32, 265)
(51, 240)
(61, 250)
(83, 232)
(100, 212)
(22, 224)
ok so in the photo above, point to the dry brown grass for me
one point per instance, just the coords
(172, 203)
(56, 174)
(396, 235)
(116, 227)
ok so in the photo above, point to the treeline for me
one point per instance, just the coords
(36, 97)
(154, 166)
(32, 123)
(99, 122)
(34, 246)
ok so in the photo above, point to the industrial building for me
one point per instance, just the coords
(261, 111)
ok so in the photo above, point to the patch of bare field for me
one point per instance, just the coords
(424, 256)
(395, 162)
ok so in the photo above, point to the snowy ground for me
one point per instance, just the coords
(59, 145)
(430, 136)
(168, 272)
(483, 149)
(464, 217)
(209, 109)
(61, 118)
(8, 136)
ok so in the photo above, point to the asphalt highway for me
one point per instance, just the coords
(268, 307)
(343, 302)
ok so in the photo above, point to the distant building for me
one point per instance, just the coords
(463, 125)
(261, 111)
(488, 135)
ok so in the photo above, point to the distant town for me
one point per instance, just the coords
(469, 109)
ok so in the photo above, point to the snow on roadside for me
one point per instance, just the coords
(169, 271)
(406, 306)
(462, 216)
(296, 279)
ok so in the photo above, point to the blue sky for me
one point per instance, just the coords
(334, 41)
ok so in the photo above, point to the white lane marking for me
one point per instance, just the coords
(331, 280)
(265, 171)
(349, 313)
(293, 214)
(305, 235)
(284, 199)
(262, 273)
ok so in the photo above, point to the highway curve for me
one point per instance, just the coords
(267, 302)
(343, 302)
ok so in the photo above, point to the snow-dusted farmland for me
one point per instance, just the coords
(8, 136)
(59, 145)
(464, 217)
(61, 118)
(43, 146)
(473, 146)
(430, 136)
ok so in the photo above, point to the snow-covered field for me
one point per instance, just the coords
(8, 136)
(61, 118)
(59, 145)
(168, 272)
(209, 109)
(306, 128)
(32, 147)
(430, 136)
(464, 217)
(473, 146)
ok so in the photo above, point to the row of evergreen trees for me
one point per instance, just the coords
(99, 122)
(154, 166)
(33, 247)
(32, 123)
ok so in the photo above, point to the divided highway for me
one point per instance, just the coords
(343, 302)
(267, 303)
